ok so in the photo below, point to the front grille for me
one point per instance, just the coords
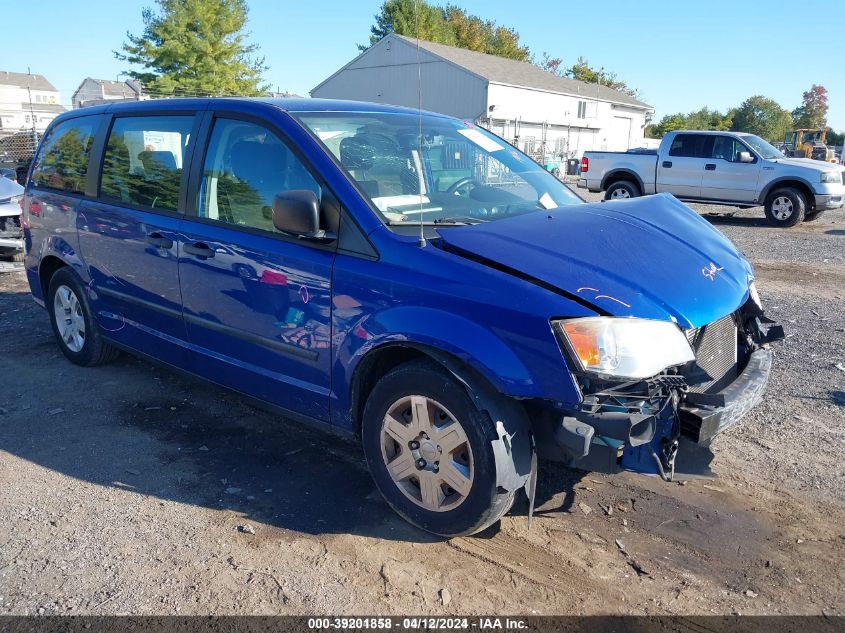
(715, 347)
(10, 226)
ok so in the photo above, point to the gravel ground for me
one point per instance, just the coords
(128, 489)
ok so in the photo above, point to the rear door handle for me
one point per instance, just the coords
(710, 167)
(199, 249)
(158, 240)
(667, 164)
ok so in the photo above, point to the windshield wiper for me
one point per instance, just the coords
(457, 221)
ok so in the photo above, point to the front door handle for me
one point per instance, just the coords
(710, 167)
(199, 249)
(158, 240)
(667, 164)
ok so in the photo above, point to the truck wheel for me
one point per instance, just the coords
(429, 450)
(73, 323)
(622, 190)
(812, 217)
(785, 207)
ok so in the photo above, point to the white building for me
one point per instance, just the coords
(544, 115)
(27, 102)
(96, 91)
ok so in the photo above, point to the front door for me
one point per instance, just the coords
(725, 177)
(257, 303)
(129, 235)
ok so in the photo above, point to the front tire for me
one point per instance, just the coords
(785, 207)
(622, 190)
(74, 326)
(429, 450)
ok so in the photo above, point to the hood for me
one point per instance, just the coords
(650, 257)
(807, 163)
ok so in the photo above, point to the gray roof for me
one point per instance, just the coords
(501, 70)
(43, 107)
(120, 89)
(22, 80)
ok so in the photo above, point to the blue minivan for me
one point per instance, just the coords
(406, 279)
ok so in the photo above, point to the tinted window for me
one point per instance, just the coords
(62, 162)
(691, 145)
(727, 148)
(245, 167)
(143, 160)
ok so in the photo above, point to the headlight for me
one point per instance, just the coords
(625, 348)
(832, 177)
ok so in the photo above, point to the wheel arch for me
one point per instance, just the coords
(47, 267)
(617, 175)
(790, 182)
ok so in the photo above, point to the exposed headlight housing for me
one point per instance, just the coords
(834, 177)
(624, 347)
(755, 297)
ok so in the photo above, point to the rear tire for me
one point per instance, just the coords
(812, 217)
(622, 190)
(401, 456)
(785, 207)
(74, 326)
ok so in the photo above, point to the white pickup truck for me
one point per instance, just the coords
(727, 168)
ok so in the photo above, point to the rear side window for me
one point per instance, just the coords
(689, 145)
(143, 160)
(62, 162)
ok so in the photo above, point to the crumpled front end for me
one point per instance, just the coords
(638, 425)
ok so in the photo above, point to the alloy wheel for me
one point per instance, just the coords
(782, 208)
(620, 194)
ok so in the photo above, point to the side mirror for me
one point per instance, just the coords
(746, 157)
(297, 212)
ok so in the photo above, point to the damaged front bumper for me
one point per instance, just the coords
(638, 426)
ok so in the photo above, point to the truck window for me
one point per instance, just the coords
(689, 145)
(62, 163)
(727, 148)
(143, 160)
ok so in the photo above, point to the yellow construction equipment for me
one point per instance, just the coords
(808, 143)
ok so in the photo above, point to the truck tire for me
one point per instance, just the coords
(622, 190)
(430, 451)
(812, 217)
(785, 207)
(74, 325)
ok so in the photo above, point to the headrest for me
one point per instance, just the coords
(356, 153)
(251, 159)
(158, 160)
(456, 156)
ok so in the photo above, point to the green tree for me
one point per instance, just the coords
(582, 71)
(450, 25)
(195, 47)
(762, 116)
(703, 119)
(834, 138)
(812, 113)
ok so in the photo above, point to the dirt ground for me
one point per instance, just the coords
(128, 489)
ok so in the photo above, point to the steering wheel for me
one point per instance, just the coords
(459, 184)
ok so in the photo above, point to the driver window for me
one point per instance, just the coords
(727, 148)
(246, 165)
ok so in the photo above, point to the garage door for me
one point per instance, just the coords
(620, 134)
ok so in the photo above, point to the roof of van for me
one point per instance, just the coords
(288, 105)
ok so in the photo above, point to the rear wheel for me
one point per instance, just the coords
(76, 330)
(622, 190)
(785, 207)
(429, 450)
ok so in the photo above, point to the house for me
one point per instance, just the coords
(544, 115)
(27, 102)
(96, 91)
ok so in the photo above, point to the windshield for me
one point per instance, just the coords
(766, 150)
(454, 173)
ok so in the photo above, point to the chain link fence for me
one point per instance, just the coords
(17, 147)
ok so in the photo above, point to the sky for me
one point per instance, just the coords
(681, 55)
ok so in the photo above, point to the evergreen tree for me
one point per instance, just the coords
(195, 47)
